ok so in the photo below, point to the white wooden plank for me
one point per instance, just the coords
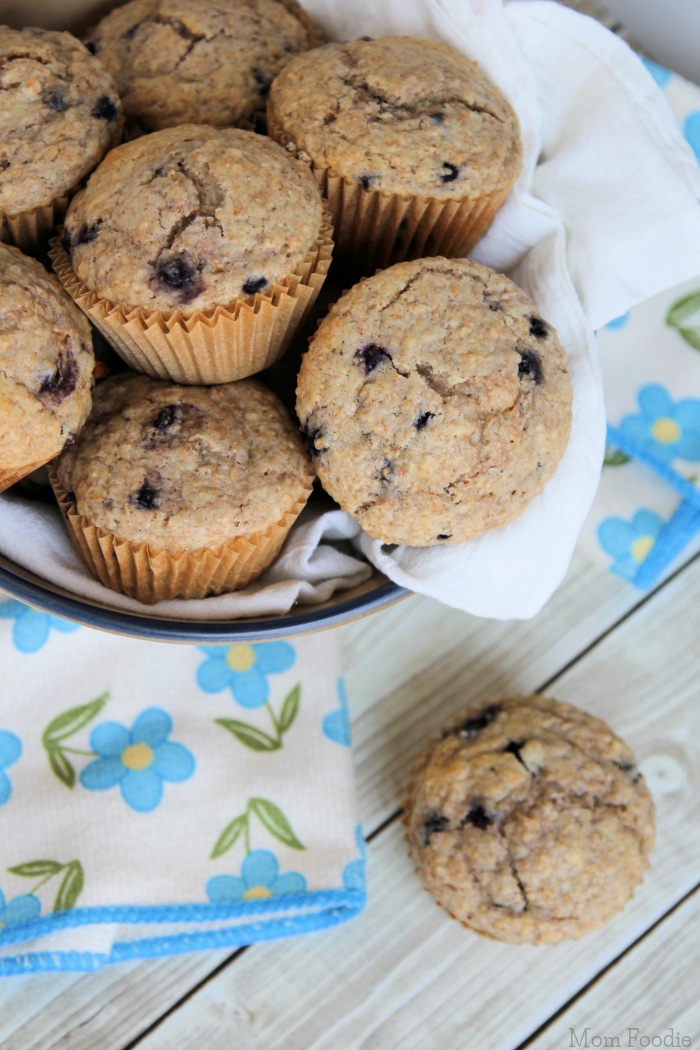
(651, 993)
(404, 975)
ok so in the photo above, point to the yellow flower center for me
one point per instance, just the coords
(138, 756)
(666, 431)
(240, 657)
(257, 893)
(641, 547)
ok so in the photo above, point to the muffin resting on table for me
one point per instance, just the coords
(198, 61)
(185, 229)
(436, 402)
(46, 365)
(175, 491)
(411, 143)
(59, 114)
(529, 821)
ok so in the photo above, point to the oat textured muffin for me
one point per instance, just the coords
(174, 491)
(59, 114)
(46, 364)
(415, 148)
(436, 401)
(198, 61)
(197, 219)
(529, 821)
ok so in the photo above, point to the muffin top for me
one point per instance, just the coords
(198, 61)
(184, 468)
(46, 363)
(529, 821)
(398, 114)
(192, 217)
(59, 114)
(436, 401)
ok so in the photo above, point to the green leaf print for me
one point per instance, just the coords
(70, 886)
(290, 707)
(251, 736)
(615, 457)
(230, 835)
(61, 728)
(685, 308)
(272, 817)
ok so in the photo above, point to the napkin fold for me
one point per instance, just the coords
(157, 799)
(604, 215)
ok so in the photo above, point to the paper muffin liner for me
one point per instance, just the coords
(373, 229)
(218, 345)
(10, 477)
(30, 231)
(152, 574)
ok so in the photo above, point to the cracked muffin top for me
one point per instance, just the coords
(185, 468)
(59, 114)
(398, 114)
(529, 821)
(198, 61)
(436, 401)
(192, 217)
(46, 363)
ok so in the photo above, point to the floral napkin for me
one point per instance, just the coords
(648, 505)
(156, 799)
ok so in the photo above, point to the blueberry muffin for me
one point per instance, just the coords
(59, 114)
(436, 401)
(529, 821)
(414, 147)
(198, 61)
(194, 220)
(174, 491)
(46, 365)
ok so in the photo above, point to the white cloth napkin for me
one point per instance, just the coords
(156, 799)
(604, 216)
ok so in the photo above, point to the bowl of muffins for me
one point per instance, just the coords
(238, 318)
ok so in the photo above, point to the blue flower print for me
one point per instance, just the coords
(31, 628)
(138, 760)
(618, 322)
(18, 911)
(691, 130)
(336, 725)
(259, 880)
(665, 430)
(10, 750)
(630, 542)
(660, 74)
(243, 669)
(354, 877)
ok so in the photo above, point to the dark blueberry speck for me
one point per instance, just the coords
(630, 769)
(146, 498)
(538, 327)
(423, 420)
(437, 118)
(478, 816)
(371, 355)
(176, 272)
(54, 101)
(104, 109)
(167, 416)
(254, 284)
(85, 234)
(311, 436)
(366, 181)
(386, 470)
(473, 726)
(93, 47)
(434, 823)
(530, 366)
(444, 535)
(131, 33)
(367, 39)
(450, 173)
(64, 379)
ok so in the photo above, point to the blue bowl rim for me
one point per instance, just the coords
(212, 632)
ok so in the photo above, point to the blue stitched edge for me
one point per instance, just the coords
(347, 904)
(686, 488)
(680, 529)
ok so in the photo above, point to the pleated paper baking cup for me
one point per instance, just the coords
(212, 346)
(9, 477)
(373, 229)
(152, 575)
(30, 231)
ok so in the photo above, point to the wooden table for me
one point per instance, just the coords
(403, 974)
